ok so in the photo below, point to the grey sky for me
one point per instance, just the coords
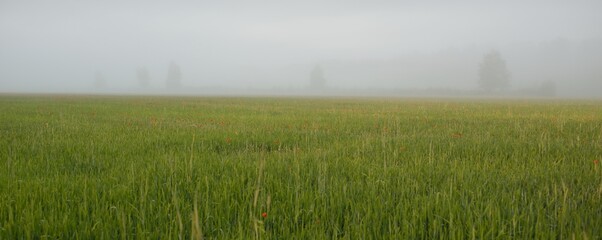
(59, 44)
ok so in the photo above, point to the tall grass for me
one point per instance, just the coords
(159, 167)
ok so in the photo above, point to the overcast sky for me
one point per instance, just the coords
(60, 44)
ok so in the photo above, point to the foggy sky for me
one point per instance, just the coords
(59, 45)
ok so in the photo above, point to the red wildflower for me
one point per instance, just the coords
(596, 161)
(264, 214)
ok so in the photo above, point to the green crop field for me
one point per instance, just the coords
(110, 167)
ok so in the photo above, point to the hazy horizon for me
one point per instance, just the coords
(58, 46)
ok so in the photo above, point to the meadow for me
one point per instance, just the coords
(116, 167)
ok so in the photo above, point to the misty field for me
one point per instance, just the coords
(242, 168)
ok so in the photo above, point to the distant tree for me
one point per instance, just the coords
(174, 76)
(493, 73)
(143, 77)
(317, 80)
(548, 88)
(99, 80)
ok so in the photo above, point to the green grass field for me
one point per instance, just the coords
(183, 167)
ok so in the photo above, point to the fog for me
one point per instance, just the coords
(271, 47)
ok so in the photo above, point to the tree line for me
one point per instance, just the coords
(172, 81)
(493, 75)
